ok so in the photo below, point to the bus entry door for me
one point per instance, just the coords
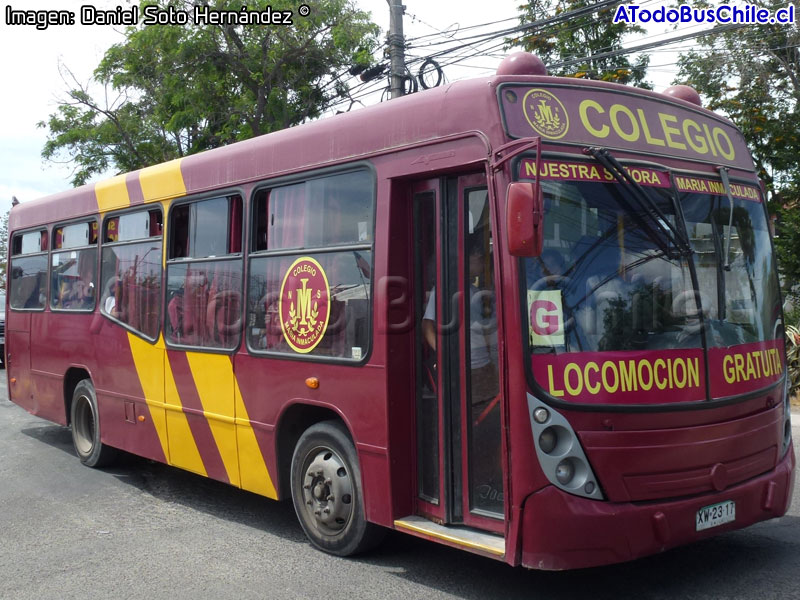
(458, 408)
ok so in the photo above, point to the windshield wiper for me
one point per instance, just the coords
(649, 216)
(723, 173)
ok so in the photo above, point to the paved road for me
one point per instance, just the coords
(143, 530)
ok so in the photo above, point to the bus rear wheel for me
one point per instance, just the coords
(327, 493)
(86, 428)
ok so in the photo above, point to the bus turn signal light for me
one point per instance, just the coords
(141, 418)
(312, 382)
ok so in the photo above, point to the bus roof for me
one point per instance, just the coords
(457, 108)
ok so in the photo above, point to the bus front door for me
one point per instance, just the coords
(458, 408)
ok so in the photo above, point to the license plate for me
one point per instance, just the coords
(714, 515)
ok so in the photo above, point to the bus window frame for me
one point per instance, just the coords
(53, 250)
(103, 244)
(166, 233)
(295, 178)
(48, 230)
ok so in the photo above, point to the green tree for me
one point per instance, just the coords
(586, 35)
(787, 245)
(753, 76)
(174, 90)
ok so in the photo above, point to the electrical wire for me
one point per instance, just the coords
(482, 45)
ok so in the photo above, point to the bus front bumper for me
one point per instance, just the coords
(561, 531)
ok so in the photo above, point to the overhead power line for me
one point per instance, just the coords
(465, 49)
(650, 45)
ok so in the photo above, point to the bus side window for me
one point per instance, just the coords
(131, 270)
(28, 270)
(73, 267)
(329, 220)
(204, 273)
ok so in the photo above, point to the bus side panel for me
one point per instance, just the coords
(18, 364)
(129, 382)
(58, 341)
(269, 385)
(394, 331)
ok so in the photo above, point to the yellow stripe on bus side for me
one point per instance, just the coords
(182, 445)
(149, 363)
(213, 378)
(112, 193)
(255, 476)
(162, 181)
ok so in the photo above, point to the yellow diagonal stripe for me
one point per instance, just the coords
(161, 182)
(213, 377)
(149, 362)
(182, 445)
(112, 193)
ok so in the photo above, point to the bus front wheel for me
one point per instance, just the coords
(327, 493)
(86, 428)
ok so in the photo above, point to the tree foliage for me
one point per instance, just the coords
(581, 36)
(174, 90)
(753, 76)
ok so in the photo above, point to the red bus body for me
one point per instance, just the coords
(236, 415)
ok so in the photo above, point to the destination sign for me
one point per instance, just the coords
(623, 121)
(575, 171)
(745, 368)
(716, 188)
(659, 377)
(623, 377)
(585, 171)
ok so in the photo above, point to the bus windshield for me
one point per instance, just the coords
(742, 302)
(608, 286)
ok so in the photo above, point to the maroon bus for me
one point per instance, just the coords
(531, 317)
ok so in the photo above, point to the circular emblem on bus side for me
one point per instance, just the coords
(305, 304)
(545, 113)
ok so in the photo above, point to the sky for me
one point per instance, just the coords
(32, 70)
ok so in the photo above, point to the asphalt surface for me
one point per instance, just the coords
(142, 530)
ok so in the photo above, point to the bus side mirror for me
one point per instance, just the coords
(524, 218)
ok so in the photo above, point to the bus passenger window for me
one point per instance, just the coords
(28, 270)
(329, 220)
(179, 238)
(131, 271)
(73, 267)
(204, 274)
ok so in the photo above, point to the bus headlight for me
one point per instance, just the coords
(565, 472)
(560, 454)
(540, 415)
(548, 440)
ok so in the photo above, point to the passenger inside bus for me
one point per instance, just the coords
(77, 293)
(110, 303)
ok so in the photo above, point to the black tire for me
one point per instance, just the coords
(85, 424)
(327, 492)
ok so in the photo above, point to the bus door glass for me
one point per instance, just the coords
(426, 209)
(459, 467)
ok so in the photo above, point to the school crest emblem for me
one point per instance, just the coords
(305, 305)
(545, 114)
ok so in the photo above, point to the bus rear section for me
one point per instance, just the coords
(656, 404)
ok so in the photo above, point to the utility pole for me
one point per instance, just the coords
(396, 47)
